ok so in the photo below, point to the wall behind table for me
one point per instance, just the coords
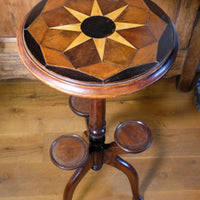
(182, 12)
(11, 15)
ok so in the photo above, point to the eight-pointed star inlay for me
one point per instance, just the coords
(99, 42)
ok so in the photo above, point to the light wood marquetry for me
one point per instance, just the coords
(113, 15)
(80, 16)
(118, 38)
(96, 10)
(70, 27)
(122, 25)
(79, 40)
(100, 45)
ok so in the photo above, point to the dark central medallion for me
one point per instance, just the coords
(98, 26)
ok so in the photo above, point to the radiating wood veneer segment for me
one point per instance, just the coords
(107, 70)
(85, 8)
(139, 37)
(33, 115)
(37, 31)
(87, 56)
(110, 6)
(156, 25)
(147, 54)
(55, 58)
(137, 3)
(126, 53)
(54, 39)
(59, 16)
(52, 4)
(140, 16)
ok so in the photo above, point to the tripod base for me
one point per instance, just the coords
(72, 152)
(110, 158)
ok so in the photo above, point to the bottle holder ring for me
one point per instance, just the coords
(80, 106)
(69, 152)
(133, 136)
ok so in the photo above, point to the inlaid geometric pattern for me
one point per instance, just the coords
(97, 38)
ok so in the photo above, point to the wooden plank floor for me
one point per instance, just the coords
(32, 115)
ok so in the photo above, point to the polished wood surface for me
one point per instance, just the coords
(33, 115)
(133, 136)
(92, 44)
(80, 106)
(69, 152)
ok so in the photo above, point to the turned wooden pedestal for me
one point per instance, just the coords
(93, 50)
(70, 152)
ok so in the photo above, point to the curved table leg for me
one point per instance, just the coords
(76, 178)
(127, 169)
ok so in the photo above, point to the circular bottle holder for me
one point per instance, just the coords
(69, 152)
(133, 136)
(80, 106)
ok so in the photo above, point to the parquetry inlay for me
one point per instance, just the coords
(117, 38)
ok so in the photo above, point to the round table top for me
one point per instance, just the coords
(97, 48)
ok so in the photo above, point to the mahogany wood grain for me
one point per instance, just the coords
(107, 69)
(110, 6)
(52, 4)
(140, 16)
(35, 29)
(97, 119)
(117, 49)
(54, 38)
(88, 55)
(130, 172)
(59, 16)
(86, 8)
(133, 136)
(76, 178)
(80, 106)
(69, 152)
